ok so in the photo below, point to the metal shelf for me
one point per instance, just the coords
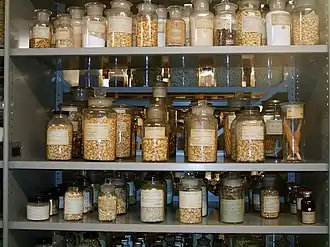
(253, 224)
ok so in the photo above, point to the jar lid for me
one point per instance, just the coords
(161, 11)
(107, 188)
(123, 4)
(232, 182)
(117, 181)
(304, 3)
(225, 6)
(147, 7)
(190, 182)
(100, 102)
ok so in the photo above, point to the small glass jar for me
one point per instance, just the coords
(175, 27)
(37, 209)
(99, 130)
(41, 30)
(52, 198)
(77, 14)
(146, 25)
(121, 192)
(162, 19)
(250, 132)
(201, 24)
(225, 24)
(187, 9)
(202, 141)
(293, 118)
(204, 197)
(308, 208)
(293, 199)
(305, 23)
(232, 199)
(64, 32)
(155, 145)
(94, 25)
(120, 24)
(59, 137)
(73, 203)
(190, 201)
(152, 201)
(270, 198)
(249, 26)
(124, 131)
(107, 203)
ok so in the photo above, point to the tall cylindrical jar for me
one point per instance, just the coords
(202, 142)
(77, 14)
(59, 137)
(162, 19)
(146, 25)
(107, 203)
(121, 192)
(41, 31)
(175, 27)
(204, 197)
(187, 9)
(270, 198)
(155, 143)
(201, 24)
(120, 24)
(249, 23)
(73, 203)
(305, 23)
(190, 201)
(64, 32)
(250, 134)
(94, 25)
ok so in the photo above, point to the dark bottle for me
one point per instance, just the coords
(293, 199)
(307, 208)
(299, 199)
(253, 180)
(168, 180)
(256, 188)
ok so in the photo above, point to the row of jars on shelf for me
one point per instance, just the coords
(185, 26)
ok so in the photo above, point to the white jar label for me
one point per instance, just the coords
(96, 27)
(37, 212)
(73, 205)
(295, 112)
(230, 120)
(169, 187)
(252, 132)
(75, 125)
(274, 127)
(154, 132)
(281, 20)
(232, 210)
(57, 137)
(225, 22)
(271, 204)
(204, 201)
(87, 203)
(96, 132)
(202, 137)
(251, 24)
(204, 23)
(122, 126)
(131, 188)
(256, 201)
(293, 208)
(120, 24)
(308, 217)
(190, 199)
(152, 198)
(161, 25)
(62, 33)
(41, 32)
(299, 203)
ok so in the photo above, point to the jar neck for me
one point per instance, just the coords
(121, 5)
(250, 113)
(202, 6)
(95, 11)
(42, 16)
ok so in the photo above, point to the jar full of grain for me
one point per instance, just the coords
(41, 31)
(175, 27)
(146, 25)
(270, 198)
(162, 20)
(64, 32)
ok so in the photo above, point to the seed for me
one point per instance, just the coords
(40, 43)
(146, 32)
(155, 149)
(116, 39)
(107, 207)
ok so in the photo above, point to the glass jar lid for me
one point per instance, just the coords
(95, 8)
(122, 4)
(225, 6)
(76, 12)
(175, 11)
(232, 181)
(117, 181)
(107, 188)
(146, 7)
(43, 14)
(161, 12)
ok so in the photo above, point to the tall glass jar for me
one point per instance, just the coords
(121, 192)
(232, 199)
(77, 14)
(201, 24)
(120, 24)
(187, 9)
(204, 197)
(99, 130)
(249, 26)
(155, 143)
(225, 24)
(190, 201)
(202, 142)
(175, 27)
(264, 8)
(305, 23)
(107, 203)
(41, 31)
(59, 137)
(64, 32)
(94, 25)
(293, 118)
(233, 135)
(73, 203)
(250, 136)
(270, 198)
(146, 25)
(162, 19)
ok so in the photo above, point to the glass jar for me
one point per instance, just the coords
(187, 9)
(256, 187)
(300, 197)
(77, 14)
(41, 30)
(171, 116)
(232, 199)
(52, 198)
(305, 23)
(152, 201)
(107, 203)
(124, 131)
(233, 135)
(293, 118)
(99, 130)
(268, 70)
(155, 145)
(264, 8)
(37, 209)
(225, 24)
(204, 197)
(293, 199)
(121, 192)
(120, 24)
(146, 25)
(201, 24)
(162, 19)
(59, 137)
(94, 25)
(308, 208)
(175, 27)
(250, 130)
(130, 178)
(202, 141)
(90, 239)
(190, 201)
(249, 26)
(87, 192)
(270, 198)
(64, 32)
(54, 22)
(168, 181)
(73, 203)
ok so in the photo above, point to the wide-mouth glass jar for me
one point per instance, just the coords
(37, 209)
(270, 198)
(64, 32)
(146, 25)
(77, 14)
(73, 203)
(175, 27)
(107, 203)
(41, 31)
(121, 192)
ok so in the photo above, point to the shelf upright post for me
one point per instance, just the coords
(328, 23)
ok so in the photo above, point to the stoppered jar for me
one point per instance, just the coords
(64, 32)
(107, 203)
(162, 19)
(121, 192)
(146, 25)
(225, 24)
(187, 9)
(41, 31)
(73, 203)
(77, 14)
(270, 198)
(94, 25)
(120, 24)
(293, 119)
(175, 27)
